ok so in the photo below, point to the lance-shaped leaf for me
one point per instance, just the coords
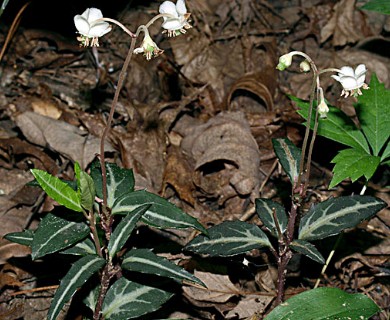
(381, 6)
(289, 157)
(56, 233)
(24, 237)
(85, 188)
(308, 249)
(229, 238)
(161, 214)
(77, 275)
(119, 181)
(337, 126)
(265, 209)
(126, 300)
(336, 214)
(82, 248)
(352, 163)
(124, 229)
(145, 261)
(58, 190)
(373, 111)
(325, 303)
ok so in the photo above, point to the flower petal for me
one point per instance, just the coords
(81, 24)
(349, 83)
(181, 7)
(360, 70)
(99, 29)
(172, 25)
(337, 78)
(347, 71)
(168, 7)
(93, 14)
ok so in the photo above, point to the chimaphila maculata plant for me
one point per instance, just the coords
(294, 231)
(104, 208)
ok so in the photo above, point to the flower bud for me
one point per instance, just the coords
(323, 109)
(284, 61)
(304, 66)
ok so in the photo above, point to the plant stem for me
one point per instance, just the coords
(107, 274)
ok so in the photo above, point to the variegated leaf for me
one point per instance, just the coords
(81, 248)
(229, 238)
(126, 300)
(85, 188)
(265, 208)
(161, 214)
(336, 214)
(145, 261)
(124, 229)
(289, 157)
(25, 237)
(56, 233)
(308, 249)
(78, 274)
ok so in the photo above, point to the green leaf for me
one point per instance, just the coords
(229, 238)
(373, 111)
(289, 157)
(25, 237)
(352, 163)
(83, 248)
(126, 299)
(325, 303)
(85, 188)
(265, 208)
(337, 126)
(381, 6)
(119, 181)
(58, 190)
(386, 153)
(145, 261)
(161, 214)
(77, 275)
(307, 249)
(55, 233)
(124, 229)
(3, 5)
(336, 214)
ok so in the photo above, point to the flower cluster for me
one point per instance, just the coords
(175, 17)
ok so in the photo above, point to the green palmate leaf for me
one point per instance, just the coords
(55, 233)
(58, 190)
(352, 163)
(85, 188)
(119, 181)
(308, 249)
(289, 157)
(82, 248)
(126, 300)
(337, 126)
(336, 214)
(145, 261)
(124, 229)
(229, 238)
(325, 303)
(265, 208)
(382, 6)
(161, 214)
(373, 111)
(78, 274)
(25, 237)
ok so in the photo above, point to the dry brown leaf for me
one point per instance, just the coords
(248, 306)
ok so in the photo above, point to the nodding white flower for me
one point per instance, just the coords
(323, 109)
(90, 30)
(304, 66)
(176, 23)
(149, 48)
(284, 61)
(352, 80)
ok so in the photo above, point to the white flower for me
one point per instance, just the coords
(88, 28)
(149, 48)
(304, 66)
(352, 80)
(176, 23)
(323, 109)
(284, 61)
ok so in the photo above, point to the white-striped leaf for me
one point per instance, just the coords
(336, 214)
(161, 214)
(308, 249)
(145, 261)
(126, 300)
(55, 233)
(25, 237)
(265, 208)
(85, 188)
(78, 274)
(289, 157)
(82, 248)
(119, 181)
(124, 229)
(58, 190)
(229, 238)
